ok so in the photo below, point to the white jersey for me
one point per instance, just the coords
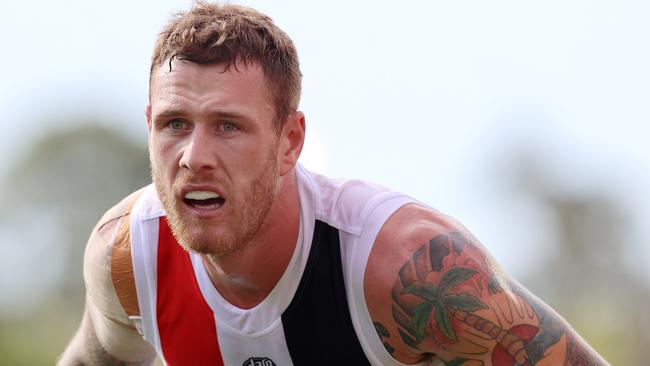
(316, 313)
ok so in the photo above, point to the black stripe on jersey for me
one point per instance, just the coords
(317, 323)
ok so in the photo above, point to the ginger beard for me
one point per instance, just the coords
(247, 208)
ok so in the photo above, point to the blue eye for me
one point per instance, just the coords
(228, 127)
(176, 124)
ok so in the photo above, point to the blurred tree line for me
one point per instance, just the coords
(583, 272)
(54, 195)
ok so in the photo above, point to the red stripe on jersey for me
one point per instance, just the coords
(186, 324)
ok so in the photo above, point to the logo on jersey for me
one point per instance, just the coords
(259, 361)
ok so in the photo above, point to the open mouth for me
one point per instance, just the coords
(205, 200)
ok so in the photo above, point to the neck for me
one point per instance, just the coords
(247, 276)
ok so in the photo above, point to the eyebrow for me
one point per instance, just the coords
(213, 115)
(168, 114)
(228, 115)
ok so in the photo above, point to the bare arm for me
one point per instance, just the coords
(107, 335)
(86, 349)
(449, 300)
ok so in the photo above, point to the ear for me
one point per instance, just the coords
(291, 140)
(147, 112)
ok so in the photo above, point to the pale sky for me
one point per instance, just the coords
(421, 96)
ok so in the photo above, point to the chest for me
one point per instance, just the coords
(304, 320)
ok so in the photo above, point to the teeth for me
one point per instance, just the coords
(200, 195)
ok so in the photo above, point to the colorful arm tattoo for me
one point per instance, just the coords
(450, 299)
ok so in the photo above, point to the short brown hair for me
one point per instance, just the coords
(227, 33)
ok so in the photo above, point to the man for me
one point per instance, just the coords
(237, 255)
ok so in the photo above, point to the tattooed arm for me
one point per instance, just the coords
(434, 293)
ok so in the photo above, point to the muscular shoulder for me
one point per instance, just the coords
(108, 272)
(434, 292)
(415, 244)
(107, 334)
(120, 210)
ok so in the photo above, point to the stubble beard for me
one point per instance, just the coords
(248, 209)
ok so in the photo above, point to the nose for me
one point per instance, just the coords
(197, 153)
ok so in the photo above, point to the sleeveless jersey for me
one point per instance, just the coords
(315, 315)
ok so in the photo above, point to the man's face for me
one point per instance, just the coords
(214, 153)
